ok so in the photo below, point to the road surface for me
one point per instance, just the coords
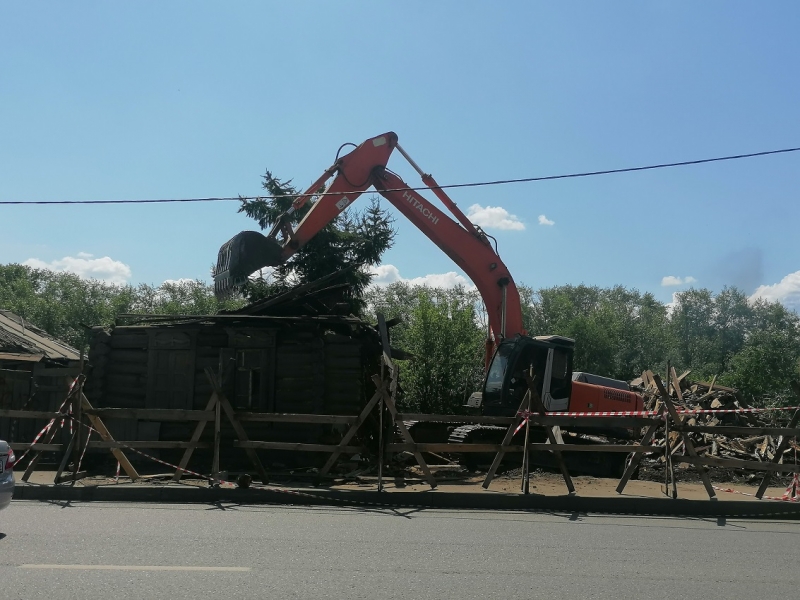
(98, 550)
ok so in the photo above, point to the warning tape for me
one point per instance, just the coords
(47, 427)
(208, 477)
(792, 493)
(525, 414)
(36, 439)
(653, 413)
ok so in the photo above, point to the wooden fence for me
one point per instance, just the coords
(531, 412)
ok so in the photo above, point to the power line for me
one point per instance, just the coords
(450, 186)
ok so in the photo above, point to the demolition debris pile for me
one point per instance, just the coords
(708, 406)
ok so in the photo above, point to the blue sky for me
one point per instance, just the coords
(151, 100)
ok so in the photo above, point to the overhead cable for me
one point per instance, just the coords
(449, 186)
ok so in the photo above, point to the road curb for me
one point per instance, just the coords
(424, 499)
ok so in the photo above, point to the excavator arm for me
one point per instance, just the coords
(354, 173)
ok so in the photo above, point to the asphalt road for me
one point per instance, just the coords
(97, 550)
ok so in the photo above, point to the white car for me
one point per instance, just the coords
(6, 474)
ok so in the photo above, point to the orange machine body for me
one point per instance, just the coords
(586, 397)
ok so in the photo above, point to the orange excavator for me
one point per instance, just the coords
(509, 350)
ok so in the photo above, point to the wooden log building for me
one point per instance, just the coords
(286, 354)
(36, 371)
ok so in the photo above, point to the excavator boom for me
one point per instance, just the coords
(353, 174)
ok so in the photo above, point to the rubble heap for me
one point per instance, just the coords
(688, 395)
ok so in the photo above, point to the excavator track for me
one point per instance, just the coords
(580, 463)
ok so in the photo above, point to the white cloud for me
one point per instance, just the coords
(786, 291)
(85, 266)
(545, 221)
(181, 281)
(494, 217)
(387, 274)
(671, 280)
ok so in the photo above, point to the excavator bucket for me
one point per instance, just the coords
(242, 255)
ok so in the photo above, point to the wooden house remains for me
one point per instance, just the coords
(289, 354)
(36, 371)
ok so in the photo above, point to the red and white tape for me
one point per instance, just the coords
(49, 426)
(653, 413)
(200, 475)
(792, 493)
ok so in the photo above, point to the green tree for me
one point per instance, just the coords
(351, 239)
(617, 332)
(64, 305)
(441, 328)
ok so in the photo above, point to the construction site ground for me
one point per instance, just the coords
(450, 481)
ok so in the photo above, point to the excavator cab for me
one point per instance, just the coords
(549, 357)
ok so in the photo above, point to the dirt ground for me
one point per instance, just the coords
(452, 479)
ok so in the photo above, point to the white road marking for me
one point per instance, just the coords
(134, 568)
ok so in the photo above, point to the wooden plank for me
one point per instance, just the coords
(198, 431)
(16, 375)
(676, 384)
(41, 371)
(504, 444)
(536, 402)
(687, 441)
(784, 444)
(152, 444)
(38, 447)
(231, 414)
(29, 414)
(299, 447)
(81, 433)
(389, 402)
(56, 426)
(103, 432)
(217, 440)
(634, 463)
(459, 448)
(548, 419)
(736, 463)
(153, 414)
(351, 432)
(434, 418)
(731, 430)
(296, 418)
(384, 333)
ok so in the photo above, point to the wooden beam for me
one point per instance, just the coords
(389, 402)
(784, 444)
(153, 414)
(29, 414)
(299, 447)
(459, 448)
(736, 463)
(731, 430)
(498, 458)
(297, 418)
(153, 444)
(350, 433)
(38, 447)
(237, 426)
(536, 403)
(198, 431)
(687, 441)
(102, 430)
(634, 463)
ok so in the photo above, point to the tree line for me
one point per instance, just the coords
(619, 332)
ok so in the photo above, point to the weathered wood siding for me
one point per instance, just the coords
(301, 368)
